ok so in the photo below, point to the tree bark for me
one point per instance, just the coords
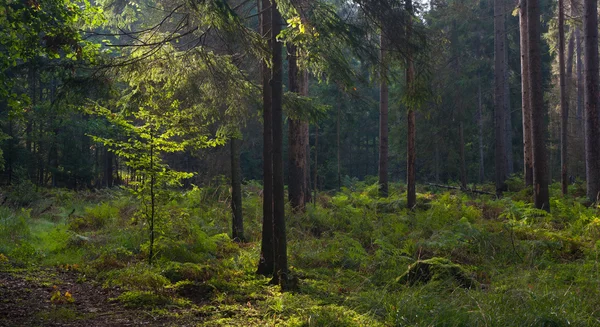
(339, 174)
(237, 232)
(580, 111)
(499, 107)
(526, 107)
(536, 98)
(296, 138)
(411, 194)
(108, 168)
(507, 109)
(316, 182)
(564, 105)
(383, 122)
(480, 123)
(281, 276)
(592, 121)
(579, 73)
(266, 264)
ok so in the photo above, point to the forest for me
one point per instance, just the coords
(299, 163)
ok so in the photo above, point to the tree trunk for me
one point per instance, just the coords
(383, 122)
(564, 105)
(108, 168)
(536, 98)
(411, 194)
(296, 137)
(499, 107)
(281, 276)
(266, 264)
(592, 121)
(316, 182)
(463, 163)
(339, 174)
(580, 86)
(459, 104)
(480, 123)
(507, 109)
(237, 233)
(580, 106)
(526, 107)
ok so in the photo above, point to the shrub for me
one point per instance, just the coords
(176, 272)
(95, 217)
(139, 277)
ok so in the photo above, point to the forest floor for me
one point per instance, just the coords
(26, 301)
(80, 259)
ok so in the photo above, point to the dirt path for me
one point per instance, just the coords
(25, 301)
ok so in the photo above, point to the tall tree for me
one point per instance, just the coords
(506, 95)
(499, 92)
(592, 119)
(564, 104)
(266, 263)
(480, 130)
(411, 195)
(280, 271)
(383, 121)
(297, 154)
(536, 100)
(526, 107)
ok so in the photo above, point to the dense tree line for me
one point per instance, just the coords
(307, 94)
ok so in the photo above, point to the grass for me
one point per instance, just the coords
(531, 268)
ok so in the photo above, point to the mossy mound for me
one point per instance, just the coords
(437, 269)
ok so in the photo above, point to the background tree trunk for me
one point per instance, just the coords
(536, 98)
(411, 195)
(383, 122)
(499, 108)
(266, 261)
(564, 105)
(296, 137)
(592, 121)
(480, 123)
(507, 108)
(526, 107)
(236, 193)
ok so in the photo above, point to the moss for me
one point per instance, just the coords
(187, 271)
(437, 269)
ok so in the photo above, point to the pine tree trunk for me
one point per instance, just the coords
(592, 121)
(480, 123)
(526, 107)
(411, 194)
(339, 173)
(564, 105)
(536, 98)
(266, 263)
(579, 73)
(383, 123)
(463, 162)
(296, 137)
(580, 111)
(459, 103)
(507, 109)
(316, 176)
(108, 168)
(279, 237)
(499, 91)
(237, 232)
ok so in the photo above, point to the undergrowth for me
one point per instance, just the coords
(349, 251)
